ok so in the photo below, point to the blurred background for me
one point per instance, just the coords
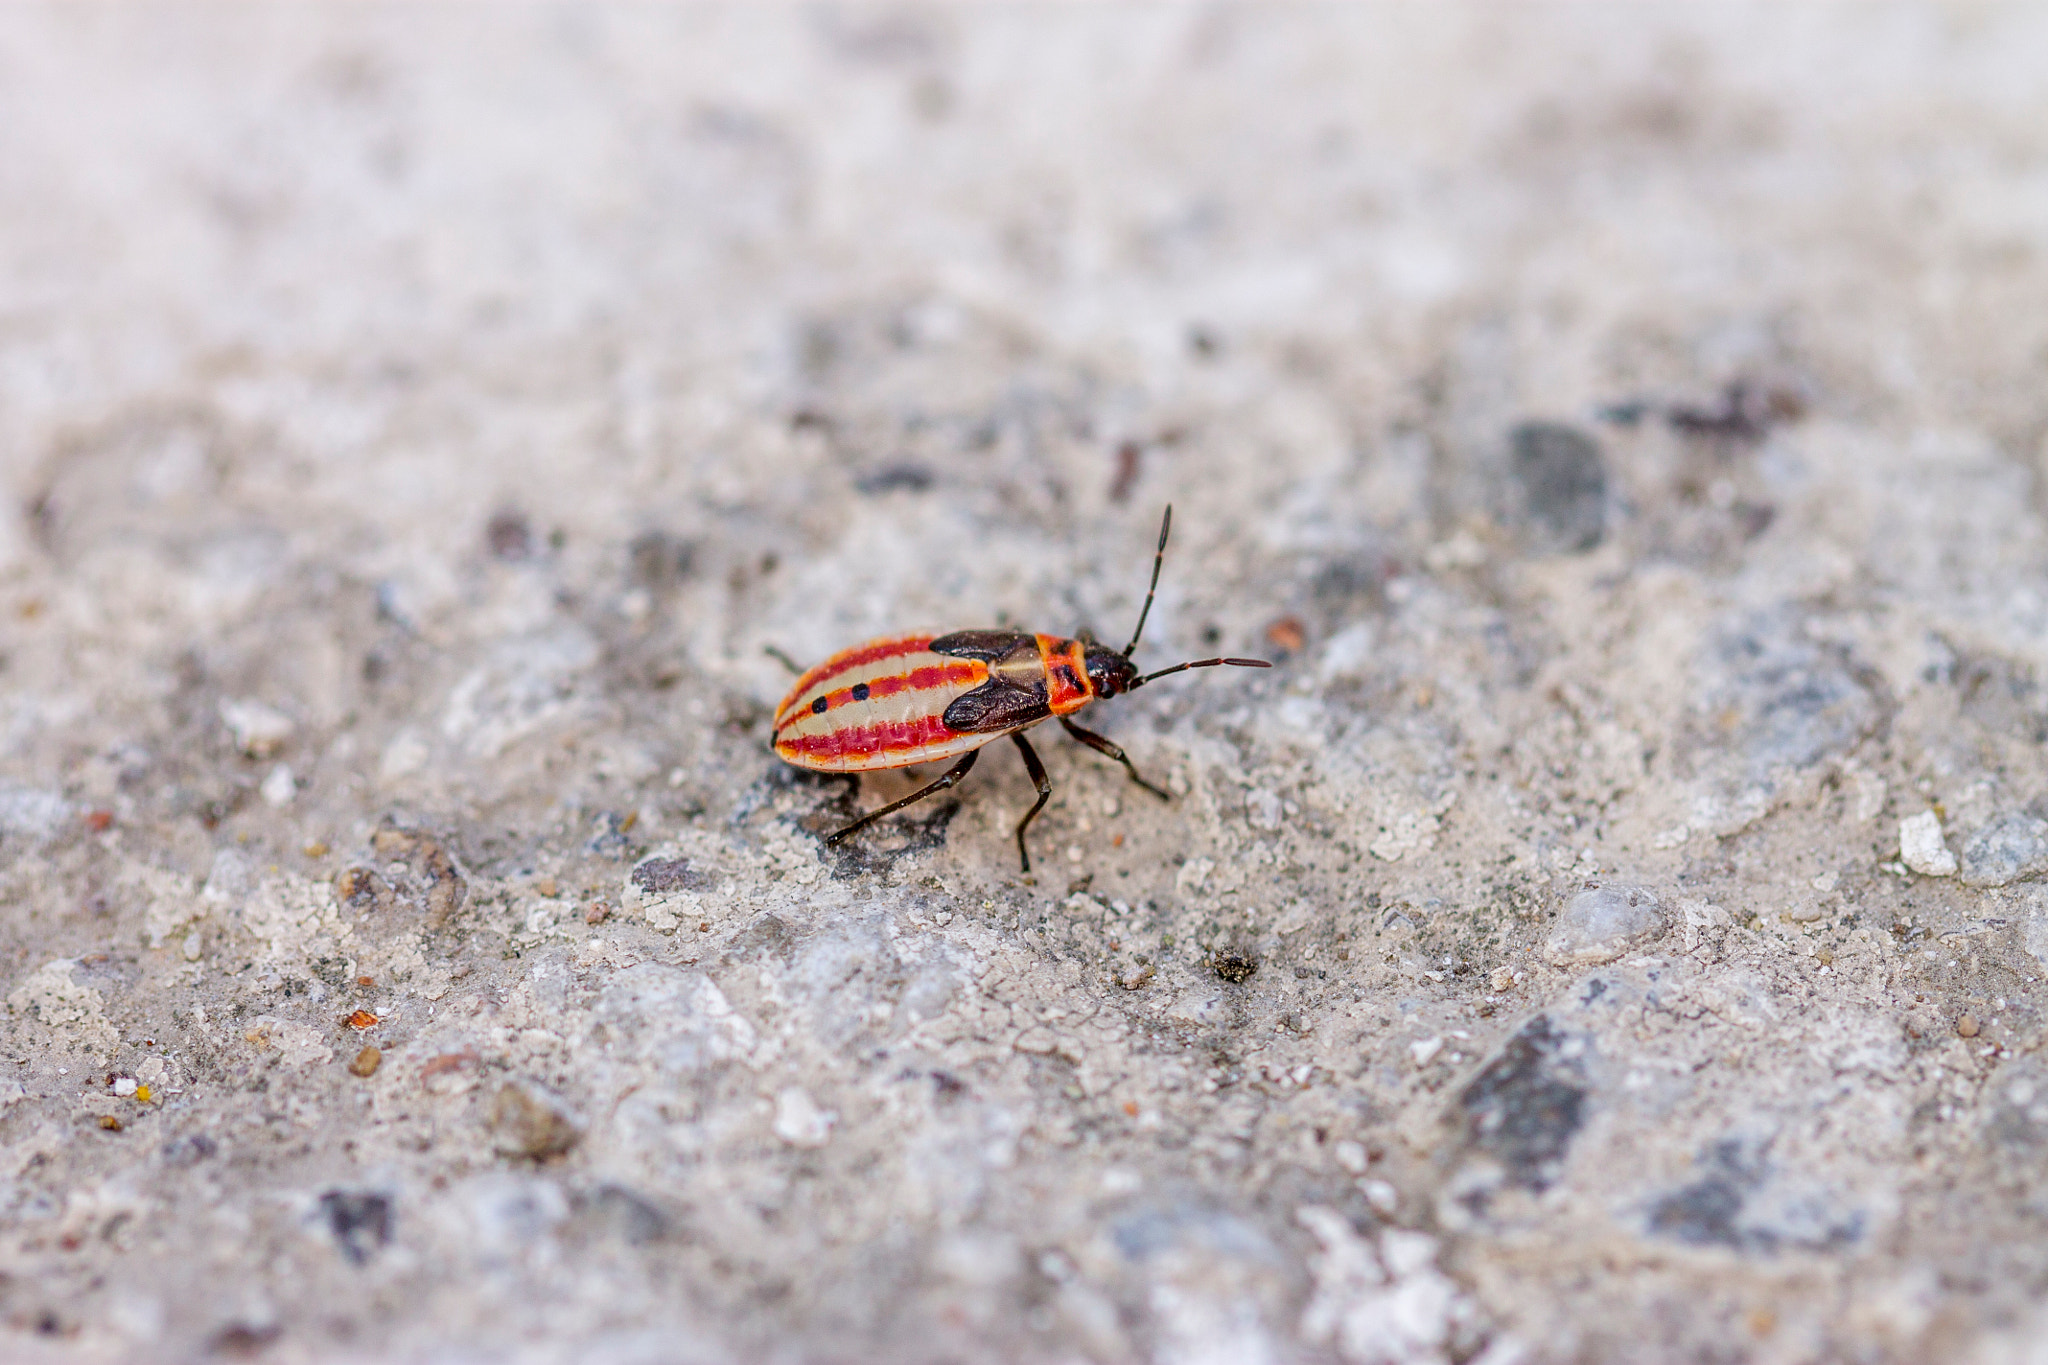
(1624, 425)
(854, 285)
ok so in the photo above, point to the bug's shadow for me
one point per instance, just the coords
(877, 847)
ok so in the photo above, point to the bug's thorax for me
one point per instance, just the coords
(1064, 665)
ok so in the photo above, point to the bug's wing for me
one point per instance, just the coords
(986, 645)
(997, 705)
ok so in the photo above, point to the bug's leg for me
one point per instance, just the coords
(1044, 785)
(951, 776)
(1109, 750)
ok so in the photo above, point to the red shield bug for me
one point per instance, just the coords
(908, 699)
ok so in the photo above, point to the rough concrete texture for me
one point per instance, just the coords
(1623, 426)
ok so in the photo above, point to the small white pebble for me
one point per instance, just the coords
(280, 787)
(799, 1121)
(259, 730)
(1351, 1156)
(1424, 1052)
(1381, 1195)
(1921, 846)
(1073, 853)
(1120, 1180)
(124, 1086)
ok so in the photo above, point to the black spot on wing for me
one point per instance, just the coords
(996, 706)
(986, 645)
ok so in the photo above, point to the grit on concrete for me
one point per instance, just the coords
(1612, 932)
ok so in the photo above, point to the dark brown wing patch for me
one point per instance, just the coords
(986, 645)
(995, 706)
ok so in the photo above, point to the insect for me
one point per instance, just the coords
(907, 699)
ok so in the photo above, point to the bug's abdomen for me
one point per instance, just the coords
(877, 705)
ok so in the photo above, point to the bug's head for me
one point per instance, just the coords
(1108, 671)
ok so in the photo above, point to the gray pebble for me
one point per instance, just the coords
(2009, 849)
(1563, 483)
(1601, 923)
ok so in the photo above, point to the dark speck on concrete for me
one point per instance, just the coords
(608, 838)
(895, 478)
(1701, 1214)
(360, 1221)
(657, 875)
(657, 560)
(1235, 967)
(189, 1150)
(618, 1213)
(509, 537)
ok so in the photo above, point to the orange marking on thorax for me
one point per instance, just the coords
(1066, 674)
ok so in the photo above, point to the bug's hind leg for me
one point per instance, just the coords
(951, 776)
(1109, 750)
(1044, 785)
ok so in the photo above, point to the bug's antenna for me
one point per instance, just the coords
(1199, 663)
(1165, 525)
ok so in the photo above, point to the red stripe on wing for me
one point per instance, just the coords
(877, 741)
(839, 663)
(922, 679)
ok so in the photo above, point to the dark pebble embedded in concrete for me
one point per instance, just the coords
(360, 1221)
(658, 875)
(1527, 1104)
(1562, 479)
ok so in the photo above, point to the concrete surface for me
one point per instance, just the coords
(1615, 931)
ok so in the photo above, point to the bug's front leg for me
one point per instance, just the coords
(1110, 750)
(1044, 785)
(951, 776)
